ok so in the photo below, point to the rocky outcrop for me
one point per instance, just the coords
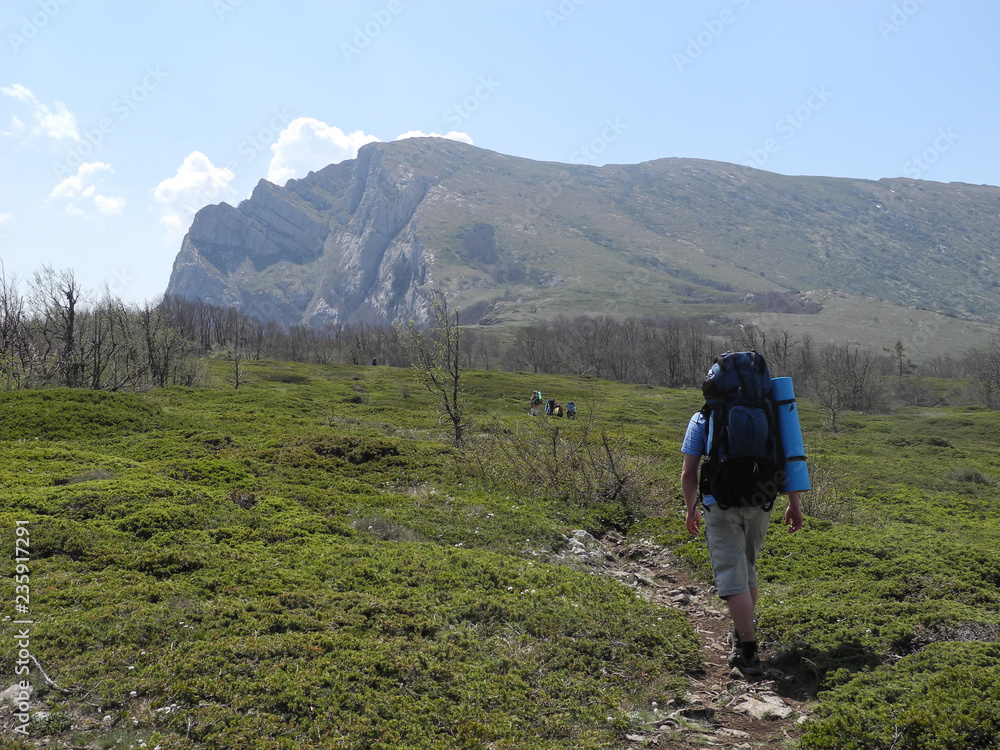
(340, 246)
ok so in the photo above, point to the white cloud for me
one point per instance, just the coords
(453, 135)
(17, 127)
(308, 144)
(57, 123)
(80, 192)
(109, 206)
(197, 183)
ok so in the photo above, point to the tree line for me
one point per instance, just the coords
(55, 334)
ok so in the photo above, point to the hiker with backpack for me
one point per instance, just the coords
(536, 403)
(742, 473)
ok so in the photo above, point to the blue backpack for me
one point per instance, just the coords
(744, 460)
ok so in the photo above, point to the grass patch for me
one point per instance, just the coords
(278, 562)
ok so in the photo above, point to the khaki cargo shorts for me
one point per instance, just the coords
(735, 537)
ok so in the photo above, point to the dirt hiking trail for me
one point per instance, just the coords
(724, 710)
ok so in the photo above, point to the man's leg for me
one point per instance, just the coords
(744, 656)
(741, 609)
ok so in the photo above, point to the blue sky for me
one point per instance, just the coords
(120, 119)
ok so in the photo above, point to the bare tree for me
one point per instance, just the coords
(805, 364)
(848, 380)
(15, 337)
(436, 354)
(744, 337)
(622, 349)
(984, 369)
(238, 329)
(168, 352)
(660, 346)
(531, 349)
(779, 352)
(697, 348)
(55, 297)
(901, 363)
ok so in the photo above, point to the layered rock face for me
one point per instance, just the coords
(339, 246)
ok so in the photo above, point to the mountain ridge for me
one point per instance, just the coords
(369, 240)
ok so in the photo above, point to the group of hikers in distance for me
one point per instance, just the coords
(552, 407)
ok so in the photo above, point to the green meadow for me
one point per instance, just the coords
(308, 561)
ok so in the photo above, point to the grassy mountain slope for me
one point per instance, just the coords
(305, 561)
(652, 236)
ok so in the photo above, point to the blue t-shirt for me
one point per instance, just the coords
(696, 444)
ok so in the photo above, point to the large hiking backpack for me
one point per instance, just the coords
(744, 457)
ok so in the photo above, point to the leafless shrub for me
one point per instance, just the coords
(830, 499)
(548, 458)
(242, 498)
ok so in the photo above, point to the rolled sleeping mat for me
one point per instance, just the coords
(796, 470)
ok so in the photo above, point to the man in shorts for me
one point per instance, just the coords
(735, 537)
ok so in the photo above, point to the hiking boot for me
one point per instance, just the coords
(751, 667)
(732, 640)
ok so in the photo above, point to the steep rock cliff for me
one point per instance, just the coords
(339, 246)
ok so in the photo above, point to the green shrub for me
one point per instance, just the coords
(73, 414)
(944, 698)
(227, 575)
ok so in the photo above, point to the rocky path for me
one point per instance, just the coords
(724, 710)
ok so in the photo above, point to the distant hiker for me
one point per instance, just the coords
(373, 362)
(570, 410)
(737, 490)
(550, 407)
(536, 403)
(557, 410)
